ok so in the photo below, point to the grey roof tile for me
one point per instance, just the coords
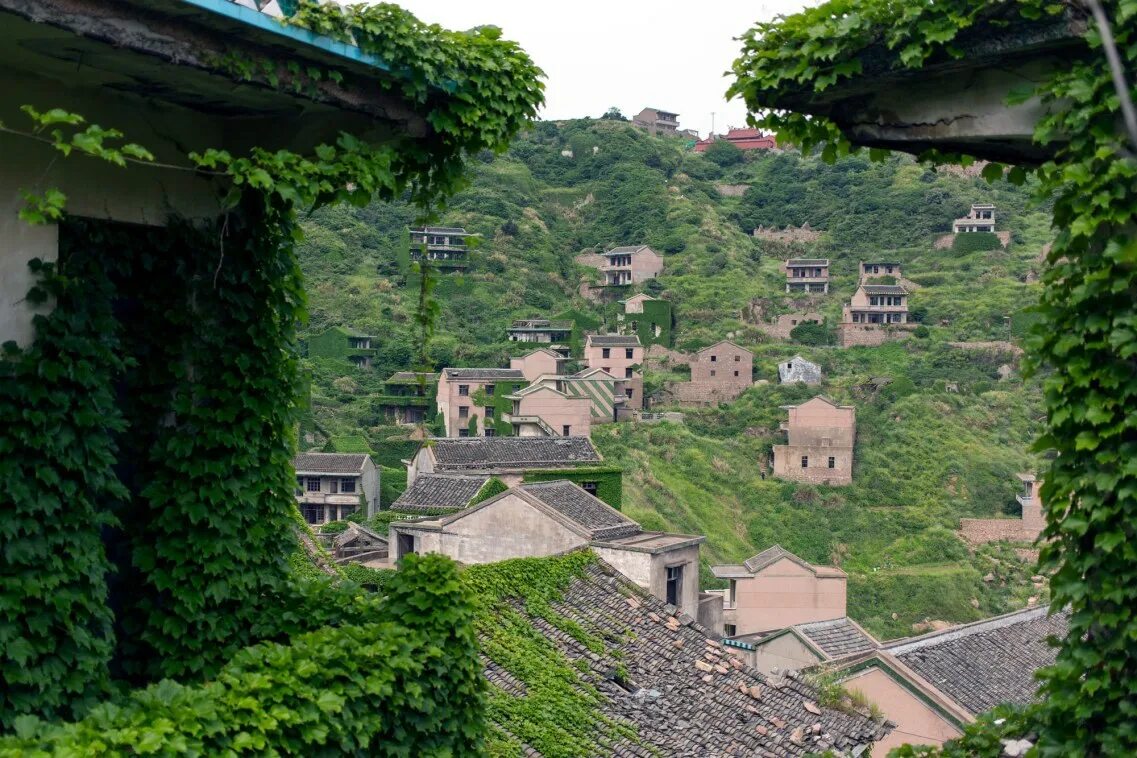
(457, 374)
(330, 463)
(796, 262)
(488, 453)
(602, 521)
(838, 638)
(883, 289)
(439, 492)
(614, 340)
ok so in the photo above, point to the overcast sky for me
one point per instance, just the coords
(627, 53)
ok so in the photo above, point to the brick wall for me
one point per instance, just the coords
(704, 393)
(980, 530)
(781, 327)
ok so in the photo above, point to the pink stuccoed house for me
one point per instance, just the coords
(820, 445)
(631, 264)
(459, 390)
(622, 357)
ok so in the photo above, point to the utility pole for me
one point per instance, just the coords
(712, 136)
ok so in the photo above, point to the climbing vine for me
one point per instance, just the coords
(1086, 341)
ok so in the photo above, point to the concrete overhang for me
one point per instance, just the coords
(213, 58)
(952, 104)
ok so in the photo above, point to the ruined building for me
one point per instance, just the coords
(819, 448)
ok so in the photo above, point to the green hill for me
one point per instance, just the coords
(941, 440)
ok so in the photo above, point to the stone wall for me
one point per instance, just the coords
(873, 334)
(703, 393)
(732, 190)
(787, 464)
(781, 326)
(978, 531)
(658, 355)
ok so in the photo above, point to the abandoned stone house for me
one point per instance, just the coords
(656, 121)
(332, 486)
(443, 246)
(775, 589)
(719, 373)
(646, 316)
(1027, 528)
(819, 448)
(407, 396)
(807, 275)
(468, 398)
(875, 314)
(514, 460)
(543, 330)
(876, 269)
(782, 325)
(630, 264)
(981, 218)
(355, 347)
(546, 518)
(685, 693)
(798, 370)
(622, 357)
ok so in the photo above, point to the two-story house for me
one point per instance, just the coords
(407, 397)
(647, 316)
(332, 486)
(819, 446)
(656, 121)
(807, 275)
(469, 399)
(444, 246)
(346, 344)
(544, 409)
(540, 362)
(630, 264)
(875, 314)
(719, 373)
(548, 331)
(622, 357)
(981, 218)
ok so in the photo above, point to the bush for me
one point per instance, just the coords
(973, 242)
(921, 332)
(812, 334)
(724, 153)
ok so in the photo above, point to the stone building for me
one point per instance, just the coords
(350, 345)
(876, 269)
(514, 460)
(630, 264)
(807, 275)
(981, 218)
(1027, 528)
(332, 486)
(719, 373)
(646, 316)
(443, 246)
(546, 518)
(877, 313)
(798, 370)
(775, 590)
(473, 397)
(548, 331)
(622, 357)
(657, 122)
(819, 448)
(782, 325)
(407, 397)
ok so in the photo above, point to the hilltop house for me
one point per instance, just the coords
(807, 275)
(981, 218)
(537, 363)
(799, 370)
(332, 486)
(544, 410)
(775, 589)
(541, 330)
(546, 518)
(444, 246)
(347, 344)
(1027, 528)
(875, 314)
(440, 493)
(648, 317)
(719, 373)
(656, 121)
(514, 460)
(469, 399)
(743, 139)
(407, 397)
(630, 264)
(876, 269)
(621, 357)
(819, 448)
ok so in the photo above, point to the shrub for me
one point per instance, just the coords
(724, 153)
(921, 332)
(812, 334)
(973, 242)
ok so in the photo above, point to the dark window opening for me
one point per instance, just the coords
(313, 514)
(347, 485)
(313, 484)
(463, 390)
(605, 352)
(489, 390)
(463, 432)
(832, 462)
(729, 630)
(566, 430)
(405, 545)
(674, 584)
(805, 461)
(590, 487)
(628, 353)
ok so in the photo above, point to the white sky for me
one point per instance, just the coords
(628, 53)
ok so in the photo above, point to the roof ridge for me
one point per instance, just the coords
(1023, 615)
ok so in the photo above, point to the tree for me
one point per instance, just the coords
(724, 153)
(613, 114)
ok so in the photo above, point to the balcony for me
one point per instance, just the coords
(1024, 500)
(808, 279)
(327, 498)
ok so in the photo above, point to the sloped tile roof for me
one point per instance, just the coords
(455, 374)
(768, 556)
(838, 638)
(442, 230)
(437, 492)
(411, 377)
(484, 453)
(883, 289)
(330, 463)
(684, 693)
(624, 249)
(987, 663)
(614, 340)
(602, 521)
(796, 262)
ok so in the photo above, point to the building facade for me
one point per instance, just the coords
(1027, 528)
(648, 317)
(743, 139)
(471, 399)
(622, 357)
(630, 264)
(443, 246)
(807, 275)
(877, 313)
(876, 269)
(538, 363)
(656, 121)
(543, 410)
(408, 397)
(819, 448)
(541, 330)
(345, 344)
(981, 218)
(799, 370)
(332, 486)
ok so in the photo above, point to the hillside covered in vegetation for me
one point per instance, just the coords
(941, 429)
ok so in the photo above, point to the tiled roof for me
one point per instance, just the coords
(330, 463)
(483, 373)
(684, 693)
(883, 289)
(768, 556)
(838, 638)
(624, 249)
(436, 492)
(613, 340)
(441, 230)
(602, 520)
(484, 453)
(541, 323)
(990, 662)
(411, 377)
(794, 262)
